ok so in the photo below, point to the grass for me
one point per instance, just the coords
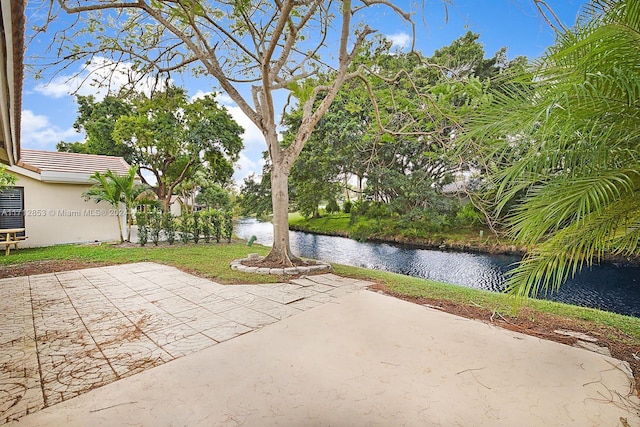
(391, 229)
(492, 301)
(209, 260)
(212, 260)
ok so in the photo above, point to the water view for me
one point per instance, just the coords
(608, 287)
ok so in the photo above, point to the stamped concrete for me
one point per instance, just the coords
(366, 359)
(64, 334)
(357, 358)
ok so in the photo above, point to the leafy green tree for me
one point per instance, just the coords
(264, 44)
(213, 195)
(255, 195)
(173, 139)
(98, 119)
(562, 149)
(403, 151)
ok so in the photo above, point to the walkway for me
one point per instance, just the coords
(76, 348)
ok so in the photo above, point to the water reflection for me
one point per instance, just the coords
(606, 287)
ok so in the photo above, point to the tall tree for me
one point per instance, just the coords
(172, 139)
(271, 46)
(562, 148)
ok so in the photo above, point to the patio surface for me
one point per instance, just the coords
(76, 348)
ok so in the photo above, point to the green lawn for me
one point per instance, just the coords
(391, 229)
(212, 260)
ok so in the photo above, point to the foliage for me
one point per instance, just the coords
(255, 195)
(332, 206)
(561, 149)
(215, 216)
(403, 152)
(264, 44)
(206, 226)
(97, 119)
(346, 206)
(469, 215)
(143, 227)
(119, 190)
(6, 179)
(169, 227)
(196, 227)
(173, 138)
(184, 227)
(155, 225)
(212, 195)
(227, 226)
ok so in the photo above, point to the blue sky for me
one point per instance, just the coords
(49, 110)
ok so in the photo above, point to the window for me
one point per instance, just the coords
(12, 208)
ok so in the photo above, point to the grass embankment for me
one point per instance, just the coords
(212, 260)
(209, 260)
(469, 238)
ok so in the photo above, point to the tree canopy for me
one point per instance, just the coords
(172, 138)
(265, 47)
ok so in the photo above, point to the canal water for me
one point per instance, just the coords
(608, 287)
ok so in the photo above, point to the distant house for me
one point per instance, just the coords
(47, 198)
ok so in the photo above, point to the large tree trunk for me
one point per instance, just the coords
(281, 250)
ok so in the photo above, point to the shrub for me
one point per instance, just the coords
(143, 228)
(206, 226)
(332, 207)
(169, 227)
(346, 206)
(155, 225)
(185, 228)
(227, 225)
(470, 215)
(196, 227)
(216, 223)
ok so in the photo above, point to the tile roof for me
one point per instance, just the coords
(70, 163)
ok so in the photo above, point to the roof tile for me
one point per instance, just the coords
(53, 161)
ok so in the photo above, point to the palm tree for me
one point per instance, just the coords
(118, 190)
(561, 145)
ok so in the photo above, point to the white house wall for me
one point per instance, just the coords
(57, 214)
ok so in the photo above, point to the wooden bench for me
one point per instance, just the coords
(11, 238)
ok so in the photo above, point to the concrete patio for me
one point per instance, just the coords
(91, 347)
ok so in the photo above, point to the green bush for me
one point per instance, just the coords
(206, 226)
(332, 207)
(169, 227)
(470, 215)
(143, 228)
(227, 225)
(196, 227)
(155, 225)
(185, 228)
(346, 206)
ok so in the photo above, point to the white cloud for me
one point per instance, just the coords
(39, 133)
(99, 77)
(245, 167)
(400, 40)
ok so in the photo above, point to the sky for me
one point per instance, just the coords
(49, 108)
